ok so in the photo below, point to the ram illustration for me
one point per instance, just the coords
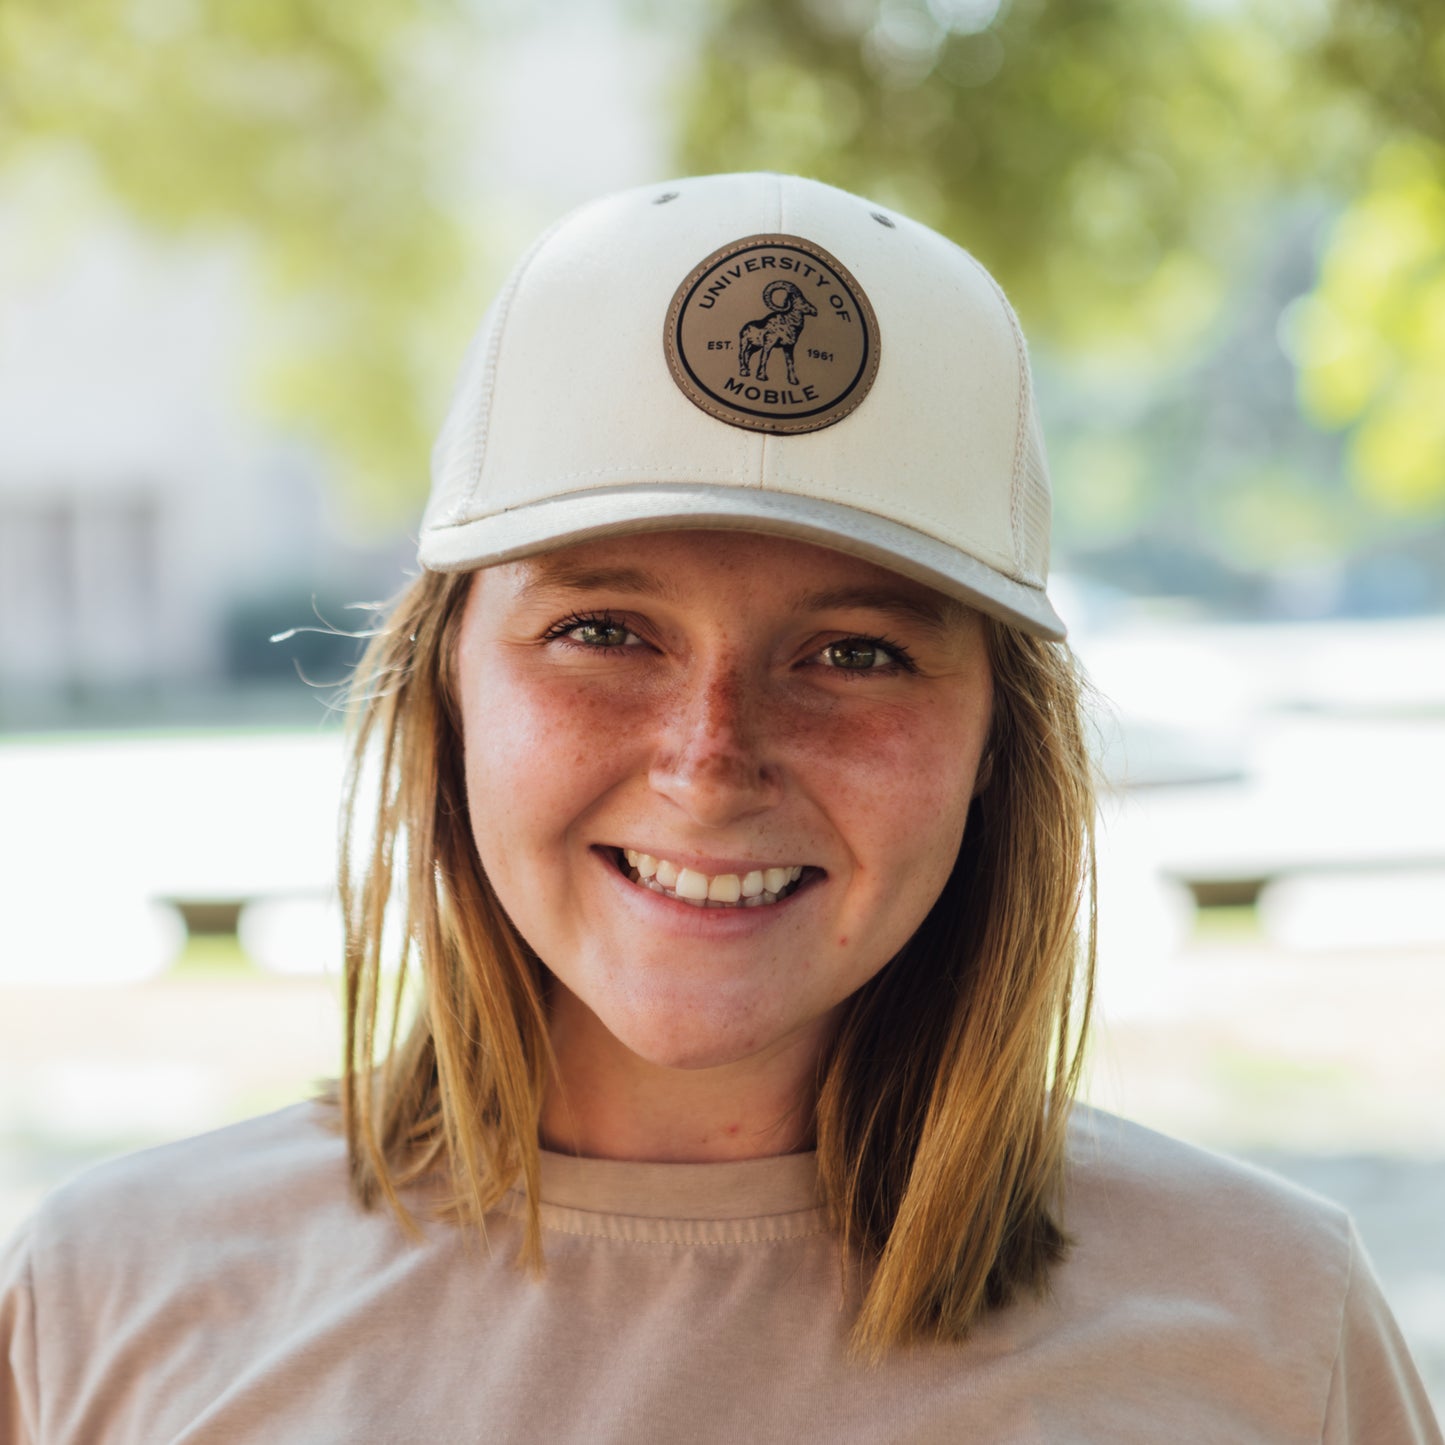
(780, 328)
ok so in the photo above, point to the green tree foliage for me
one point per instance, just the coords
(304, 127)
(1100, 156)
(1113, 162)
(1370, 341)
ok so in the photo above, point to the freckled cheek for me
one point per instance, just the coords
(537, 756)
(557, 727)
(900, 788)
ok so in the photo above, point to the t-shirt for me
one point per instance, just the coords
(228, 1288)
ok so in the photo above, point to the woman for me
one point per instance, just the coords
(728, 772)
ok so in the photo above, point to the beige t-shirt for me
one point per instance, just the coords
(227, 1288)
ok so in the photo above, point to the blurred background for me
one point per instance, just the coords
(242, 249)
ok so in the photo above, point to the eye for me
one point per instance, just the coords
(600, 635)
(592, 623)
(867, 657)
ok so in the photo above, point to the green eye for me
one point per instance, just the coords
(856, 653)
(588, 623)
(600, 635)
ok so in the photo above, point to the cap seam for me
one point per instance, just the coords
(1020, 414)
(742, 475)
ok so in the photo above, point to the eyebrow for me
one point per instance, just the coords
(929, 610)
(939, 615)
(558, 572)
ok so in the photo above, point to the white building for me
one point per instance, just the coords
(141, 506)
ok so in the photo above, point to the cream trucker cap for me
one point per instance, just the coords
(757, 352)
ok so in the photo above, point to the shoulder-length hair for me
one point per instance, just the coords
(943, 1096)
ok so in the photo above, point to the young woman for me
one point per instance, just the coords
(725, 767)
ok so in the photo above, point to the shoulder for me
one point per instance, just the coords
(1144, 1205)
(1120, 1172)
(1201, 1281)
(219, 1212)
(218, 1180)
(153, 1288)
(1244, 1303)
(143, 1286)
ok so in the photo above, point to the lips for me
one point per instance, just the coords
(752, 888)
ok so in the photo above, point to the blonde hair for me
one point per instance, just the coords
(943, 1097)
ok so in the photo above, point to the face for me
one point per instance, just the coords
(695, 697)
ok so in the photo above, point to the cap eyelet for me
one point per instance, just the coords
(883, 220)
(664, 198)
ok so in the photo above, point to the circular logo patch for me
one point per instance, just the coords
(772, 333)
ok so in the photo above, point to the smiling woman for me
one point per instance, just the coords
(738, 743)
(728, 770)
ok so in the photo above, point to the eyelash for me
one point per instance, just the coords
(903, 658)
(558, 630)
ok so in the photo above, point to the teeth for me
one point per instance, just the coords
(645, 863)
(689, 885)
(761, 886)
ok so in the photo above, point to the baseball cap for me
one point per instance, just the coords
(759, 352)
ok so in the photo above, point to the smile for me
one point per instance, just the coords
(755, 889)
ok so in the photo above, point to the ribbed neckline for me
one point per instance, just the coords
(737, 1189)
(744, 1202)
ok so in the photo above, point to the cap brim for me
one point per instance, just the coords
(609, 511)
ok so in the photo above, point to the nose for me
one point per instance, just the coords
(713, 758)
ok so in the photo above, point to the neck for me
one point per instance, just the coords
(606, 1102)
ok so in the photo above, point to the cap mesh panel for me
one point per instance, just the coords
(1033, 510)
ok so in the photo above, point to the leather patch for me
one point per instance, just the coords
(774, 334)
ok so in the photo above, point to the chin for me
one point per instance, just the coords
(690, 1043)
